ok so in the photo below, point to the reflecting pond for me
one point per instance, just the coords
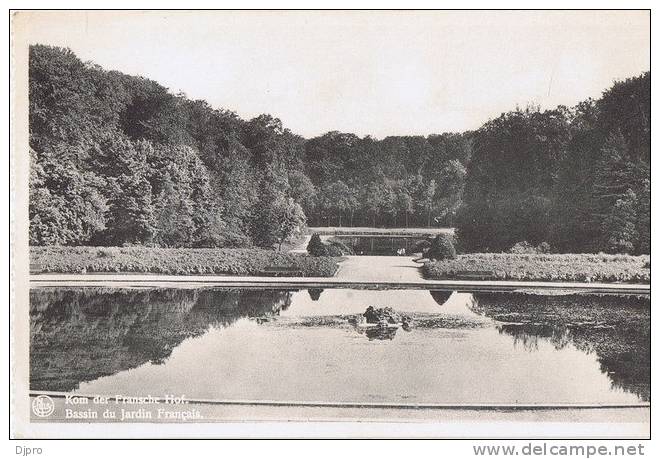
(238, 344)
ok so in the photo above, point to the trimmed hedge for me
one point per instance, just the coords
(315, 247)
(332, 248)
(184, 261)
(442, 248)
(546, 267)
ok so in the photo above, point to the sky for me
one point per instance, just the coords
(370, 73)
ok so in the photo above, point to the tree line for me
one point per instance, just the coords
(118, 159)
(577, 178)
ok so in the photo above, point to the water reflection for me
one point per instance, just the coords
(315, 293)
(82, 334)
(229, 343)
(440, 296)
(378, 333)
(615, 328)
(528, 335)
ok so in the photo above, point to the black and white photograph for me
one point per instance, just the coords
(355, 224)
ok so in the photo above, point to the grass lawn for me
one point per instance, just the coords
(546, 267)
(54, 259)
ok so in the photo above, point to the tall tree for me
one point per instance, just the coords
(618, 226)
(130, 213)
(290, 219)
(429, 194)
(643, 224)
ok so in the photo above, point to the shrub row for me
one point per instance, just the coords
(525, 247)
(546, 267)
(184, 261)
(332, 248)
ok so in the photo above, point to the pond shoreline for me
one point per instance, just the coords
(148, 280)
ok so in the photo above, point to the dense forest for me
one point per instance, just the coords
(119, 160)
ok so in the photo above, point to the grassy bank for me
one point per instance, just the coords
(174, 261)
(546, 267)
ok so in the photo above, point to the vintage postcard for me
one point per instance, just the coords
(331, 223)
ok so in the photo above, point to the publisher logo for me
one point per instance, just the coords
(43, 406)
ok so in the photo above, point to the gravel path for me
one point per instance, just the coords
(379, 269)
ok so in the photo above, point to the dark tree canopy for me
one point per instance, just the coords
(566, 176)
(118, 159)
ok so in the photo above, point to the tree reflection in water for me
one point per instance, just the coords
(441, 296)
(615, 327)
(378, 333)
(528, 335)
(315, 293)
(82, 334)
